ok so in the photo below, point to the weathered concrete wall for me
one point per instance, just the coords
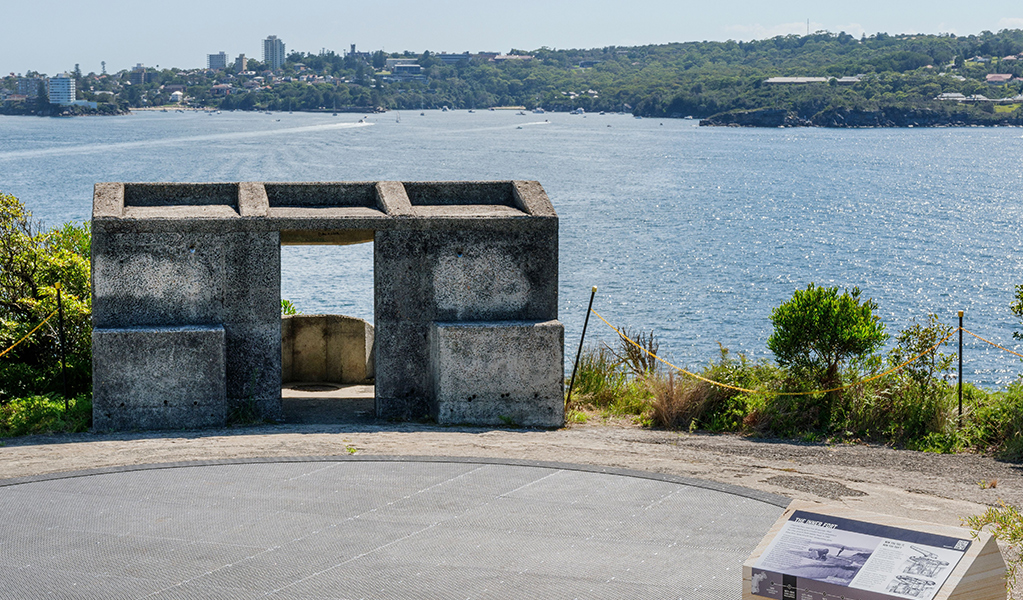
(498, 372)
(326, 348)
(141, 373)
(171, 255)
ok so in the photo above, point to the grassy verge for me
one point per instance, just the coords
(901, 409)
(45, 414)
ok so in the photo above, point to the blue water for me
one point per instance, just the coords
(694, 233)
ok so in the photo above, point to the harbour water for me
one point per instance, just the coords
(693, 233)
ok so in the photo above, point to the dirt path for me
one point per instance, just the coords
(938, 488)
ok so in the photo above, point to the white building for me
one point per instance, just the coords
(273, 52)
(217, 62)
(61, 90)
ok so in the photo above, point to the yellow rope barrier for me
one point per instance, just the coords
(992, 343)
(29, 333)
(739, 389)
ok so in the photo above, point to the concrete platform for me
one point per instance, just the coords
(376, 527)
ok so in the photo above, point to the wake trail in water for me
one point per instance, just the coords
(212, 137)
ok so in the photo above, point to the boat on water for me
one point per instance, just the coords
(538, 111)
(444, 109)
(521, 112)
(471, 110)
(578, 111)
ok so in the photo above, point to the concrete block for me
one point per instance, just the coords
(498, 373)
(326, 348)
(158, 377)
(403, 390)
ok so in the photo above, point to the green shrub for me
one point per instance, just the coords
(45, 414)
(816, 334)
(34, 262)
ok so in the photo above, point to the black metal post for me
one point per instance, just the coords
(579, 353)
(63, 346)
(960, 368)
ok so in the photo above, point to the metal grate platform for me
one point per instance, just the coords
(393, 528)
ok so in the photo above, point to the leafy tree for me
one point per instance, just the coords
(32, 263)
(819, 330)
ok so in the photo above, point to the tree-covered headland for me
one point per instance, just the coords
(872, 80)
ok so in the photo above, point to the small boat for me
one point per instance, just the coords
(519, 127)
(471, 110)
(578, 111)
(538, 111)
(422, 114)
(521, 113)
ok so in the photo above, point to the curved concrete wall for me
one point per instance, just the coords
(326, 348)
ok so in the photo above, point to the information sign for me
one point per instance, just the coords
(824, 557)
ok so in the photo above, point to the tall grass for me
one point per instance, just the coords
(914, 408)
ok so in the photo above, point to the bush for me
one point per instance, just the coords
(34, 262)
(45, 414)
(816, 334)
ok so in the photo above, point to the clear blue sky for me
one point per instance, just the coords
(50, 36)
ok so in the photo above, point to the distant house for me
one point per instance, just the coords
(505, 57)
(955, 96)
(407, 69)
(795, 80)
(222, 89)
(391, 62)
(177, 96)
(978, 59)
(999, 78)
(848, 80)
(452, 59)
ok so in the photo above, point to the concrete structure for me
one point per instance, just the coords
(60, 89)
(241, 63)
(326, 349)
(465, 279)
(217, 62)
(273, 53)
(30, 86)
(137, 76)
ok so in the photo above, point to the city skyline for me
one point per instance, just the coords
(184, 35)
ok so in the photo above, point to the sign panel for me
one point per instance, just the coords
(823, 557)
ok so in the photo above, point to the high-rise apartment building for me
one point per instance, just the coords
(137, 75)
(61, 89)
(273, 52)
(217, 62)
(29, 86)
(241, 63)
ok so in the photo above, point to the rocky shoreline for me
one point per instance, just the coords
(858, 118)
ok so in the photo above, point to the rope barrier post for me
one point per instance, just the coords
(63, 346)
(960, 369)
(579, 352)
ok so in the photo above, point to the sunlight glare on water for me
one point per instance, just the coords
(694, 233)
